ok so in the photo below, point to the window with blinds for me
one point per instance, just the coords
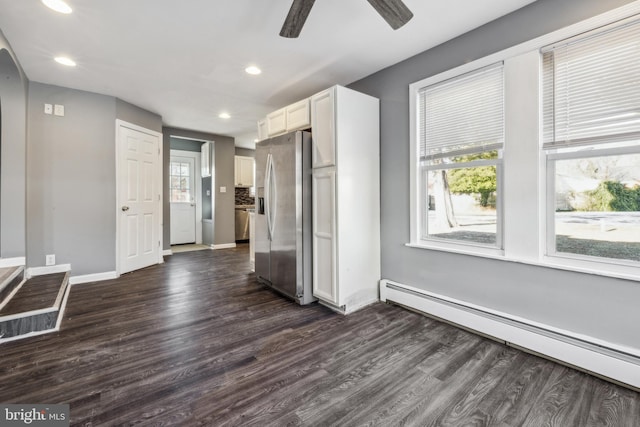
(462, 115)
(591, 88)
(591, 130)
(461, 136)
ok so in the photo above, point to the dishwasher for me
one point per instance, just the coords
(242, 224)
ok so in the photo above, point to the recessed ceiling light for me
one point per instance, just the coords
(253, 70)
(224, 115)
(65, 61)
(58, 6)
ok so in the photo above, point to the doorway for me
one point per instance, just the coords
(185, 202)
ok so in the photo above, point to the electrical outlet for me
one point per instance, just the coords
(58, 110)
(48, 109)
(223, 189)
(50, 259)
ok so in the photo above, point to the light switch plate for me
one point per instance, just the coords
(223, 189)
(58, 110)
(48, 109)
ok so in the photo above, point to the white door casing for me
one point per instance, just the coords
(138, 196)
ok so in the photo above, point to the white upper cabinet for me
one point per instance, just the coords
(277, 122)
(292, 117)
(298, 115)
(263, 132)
(243, 171)
(323, 127)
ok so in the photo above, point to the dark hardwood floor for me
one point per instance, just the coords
(197, 341)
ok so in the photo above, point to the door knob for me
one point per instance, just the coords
(125, 208)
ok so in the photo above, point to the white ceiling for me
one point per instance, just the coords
(185, 59)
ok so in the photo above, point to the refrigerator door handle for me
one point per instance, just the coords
(267, 195)
(273, 205)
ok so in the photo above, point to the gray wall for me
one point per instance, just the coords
(71, 186)
(138, 116)
(71, 193)
(246, 152)
(185, 144)
(596, 306)
(13, 110)
(223, 176)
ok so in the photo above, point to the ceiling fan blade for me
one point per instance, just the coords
(395, 12)
(296, 17)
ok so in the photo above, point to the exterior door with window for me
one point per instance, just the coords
(183, 201)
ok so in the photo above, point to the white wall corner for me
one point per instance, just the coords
(383, 290)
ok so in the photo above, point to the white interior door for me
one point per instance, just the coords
(139, 198)
(183, 199)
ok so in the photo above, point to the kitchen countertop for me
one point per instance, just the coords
(245, 206)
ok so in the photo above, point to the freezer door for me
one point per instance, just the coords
(262, 244)
(284, 211)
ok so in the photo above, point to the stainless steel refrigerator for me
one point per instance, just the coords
(283, 215)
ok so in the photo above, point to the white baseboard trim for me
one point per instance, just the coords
(39, 271)
(95, 277)
(224, 246)
(12, 262)
(612, 362)
(63, 306)
(167, 252)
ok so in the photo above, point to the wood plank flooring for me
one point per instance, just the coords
(197, 341)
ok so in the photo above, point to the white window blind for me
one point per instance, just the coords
(462, 115)
(591, 88)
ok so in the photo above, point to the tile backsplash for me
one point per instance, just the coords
(243, 197)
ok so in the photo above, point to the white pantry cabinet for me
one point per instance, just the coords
(346, 198)
(243, 171)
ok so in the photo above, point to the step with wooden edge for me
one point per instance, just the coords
(35, 308)
(10, 279)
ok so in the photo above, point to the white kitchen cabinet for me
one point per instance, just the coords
(243, 171)
(346, 198)
(263, 132)
(324, 234)
(323, 128)
(298, 115)
(277, 122)
(292, 117)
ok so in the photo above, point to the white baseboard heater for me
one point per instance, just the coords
(621, 365)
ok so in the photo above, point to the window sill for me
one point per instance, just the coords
(559, 263)
(460, 248)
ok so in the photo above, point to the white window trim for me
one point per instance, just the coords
(536, 255)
